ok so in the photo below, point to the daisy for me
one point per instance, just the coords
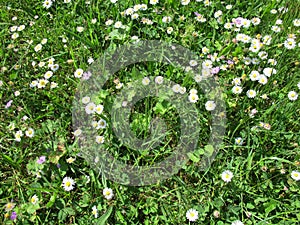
(207, 64)
(193, 91)
(53, 85)
(269, 71)
(99, 139)
(38, 48)
(236, 81)
(154, 2)
(296, 22)
(44, 41)
(13, 28)
(237, 222)
(254, 75)
(90, 108)
(298, 85)
(42, 83)
(145, 81)
(95, 211)
(251, 93)
(176, 88)
(70, 160)
(292, 95)
(90, 60)
(192, 215)
(193, 63)
(290, 43)
(118, 24)
(238, 141)
(47, 4)
(170, 30)
(182, 90)
(101, 124)
(227, 176)
(54, 67)
(78, 73)
(67, 1)
(193, 98)
(255, 21)
(9, 206)
(14, 36)
(77, 132)
(210, 105)
(262, 79)
(119, 85)
(237, 90)
(99, 109)
(108, 193)
(68, 183)
(29, 132)
(185, 2)
(48, 74)
(34, 199)
(85, 100)
(166, 19)
(80, 29)
(295, 175)
(159, 80)
(134, 16)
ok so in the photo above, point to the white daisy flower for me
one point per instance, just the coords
(295, 175)
(251, 93)
(78, 73)
(193, 98)
(237, 222)
(227, 175)
(29, 132)
(159, 80)
(237, 89)
(68, 183)
(262, 79)
(290, 43)
(145, 81)
(192, 215)
(85, 100)
(90, 108)
(254, 75)
(77, 132)
(292, 95)
(47, 4)
(101, 124)
(99, 109)
(95, 211)
(48, 74)
(238, 141)
(108, 193)
(38, 48)
(269, 71)
(34, 199)
(99, 139)
(210, 105)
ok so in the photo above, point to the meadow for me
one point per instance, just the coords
(251, 49)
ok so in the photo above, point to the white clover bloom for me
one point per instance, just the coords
(68, 183)
(90, 108)
(145, 81)
(292, 95)
(210, 105)
(295, 175)
(29, 132)
(237, 89)
(108, 193)
(192, 215)
(251, 93)
(227, 175)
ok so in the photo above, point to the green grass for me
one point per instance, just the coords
(261, 191)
